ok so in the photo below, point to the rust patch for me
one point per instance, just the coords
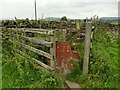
(64, 54)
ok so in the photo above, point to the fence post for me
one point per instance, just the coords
(64, 35)
(87, 47)
(0, 56)
(53, 50)
(23, 41)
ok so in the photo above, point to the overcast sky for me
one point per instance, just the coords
(58, 8)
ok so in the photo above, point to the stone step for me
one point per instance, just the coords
(72, 85)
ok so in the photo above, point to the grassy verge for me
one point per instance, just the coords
(19, 73)
(103, 65)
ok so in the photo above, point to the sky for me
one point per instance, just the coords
(58, 8)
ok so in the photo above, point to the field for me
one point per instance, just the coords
(20, 72)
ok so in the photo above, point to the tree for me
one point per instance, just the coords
(64, 18)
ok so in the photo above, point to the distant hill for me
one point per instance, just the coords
(56, 18)
(52, 18)
(109, 18)
(102, 18)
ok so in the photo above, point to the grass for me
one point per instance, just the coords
(103, 64)
(19, 72)
(116, 23)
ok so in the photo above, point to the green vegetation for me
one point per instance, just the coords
(18, 72)
(116, 23)
(103, 65)
(64, 18)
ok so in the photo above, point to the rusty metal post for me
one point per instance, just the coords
(87, 47)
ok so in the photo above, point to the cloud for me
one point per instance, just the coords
(58, 8)
(82, 9)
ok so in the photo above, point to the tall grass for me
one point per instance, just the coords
(19, 72)
(103, 64)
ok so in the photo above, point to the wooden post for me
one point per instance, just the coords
(13, 39)
(54, 46)
(0, 39)
(35, 10)
(87, 47)
(64, 35)
(86, 19)
(53, 50)
(24, 41)
(0, 56)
